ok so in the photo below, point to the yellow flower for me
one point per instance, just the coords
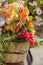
(33, 31)
(7, 27)
(27, 11)
(12, 6)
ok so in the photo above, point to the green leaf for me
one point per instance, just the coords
(38, 40)
(30, 17)
(26, 2)
(3, 3)
(7, 36)
(1, 63)
(40, 2)
(10, 1)
(1, 48)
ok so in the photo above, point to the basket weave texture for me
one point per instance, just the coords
(16, 53)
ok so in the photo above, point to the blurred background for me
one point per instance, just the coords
(37, 53)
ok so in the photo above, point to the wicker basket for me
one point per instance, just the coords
(16, 52)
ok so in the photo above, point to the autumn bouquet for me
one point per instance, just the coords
(16, 30)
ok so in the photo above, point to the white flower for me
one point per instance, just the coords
(34, 3)
(8, 21)
(38, 20)
(16, 15)
(16, 4)
(2, 0)
(2, 21)
(21, 2)
(30, 3)
(38, 11)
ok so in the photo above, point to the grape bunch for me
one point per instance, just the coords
(27, 36)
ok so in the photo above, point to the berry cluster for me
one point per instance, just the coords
(27, 36)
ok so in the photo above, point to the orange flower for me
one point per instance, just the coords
(22, 13)
(30, 23)
(15, 29)
(5, 15)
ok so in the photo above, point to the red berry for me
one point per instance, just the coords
(26, 33)
(32, 43)
(22, 34)
(26, 38)
(23, 31)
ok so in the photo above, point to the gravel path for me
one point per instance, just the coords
(37, 55)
